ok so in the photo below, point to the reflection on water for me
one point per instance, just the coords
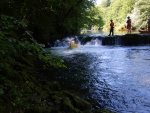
(118, 77)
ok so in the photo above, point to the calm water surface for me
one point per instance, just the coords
(118, 77)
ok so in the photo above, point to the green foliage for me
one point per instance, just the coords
(13, 28)
(21, 59)
(105, 3)
(1, 90)
(143, 6)
(94, 17)
(21, 42)
(50, 19)
(118, 10)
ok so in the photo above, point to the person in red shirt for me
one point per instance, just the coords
(111, 28)
(129, 24)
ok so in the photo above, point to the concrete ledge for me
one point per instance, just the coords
(127, 40)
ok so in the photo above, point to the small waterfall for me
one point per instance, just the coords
(93, 41)
(98, 39)
(66, 41)
(117, 40)
(80, 40)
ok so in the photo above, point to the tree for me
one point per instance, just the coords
(49, 19)
(142, 12)
(106, 3)
(94, 18)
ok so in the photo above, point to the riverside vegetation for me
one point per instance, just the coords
(27, 81)
(25, 85)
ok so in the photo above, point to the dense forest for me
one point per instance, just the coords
(51, 19)
(27, 82)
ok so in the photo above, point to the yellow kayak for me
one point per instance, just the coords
(73, 45)
(143, 31)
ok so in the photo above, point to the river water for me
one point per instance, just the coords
(117, 77)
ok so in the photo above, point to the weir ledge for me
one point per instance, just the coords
(127, 40)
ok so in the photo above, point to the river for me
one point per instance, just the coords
(117, 77)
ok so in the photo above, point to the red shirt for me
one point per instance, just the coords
(129, 21)
(112, 24)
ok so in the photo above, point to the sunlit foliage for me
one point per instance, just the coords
(118, 10)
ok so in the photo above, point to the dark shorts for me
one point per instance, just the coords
(128, 26)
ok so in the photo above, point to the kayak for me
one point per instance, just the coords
(73, 45)
(143, 31)
(124, 29)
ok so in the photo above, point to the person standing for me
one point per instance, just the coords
(129, 24)
(111, 28)
(148, 22)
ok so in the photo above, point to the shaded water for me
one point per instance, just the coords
(117, 78)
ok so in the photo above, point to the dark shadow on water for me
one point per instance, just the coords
(77, 76)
